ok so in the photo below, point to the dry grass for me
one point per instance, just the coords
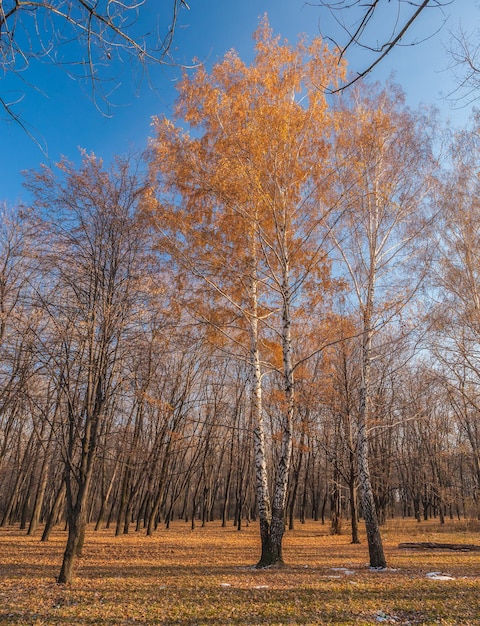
(206, 577)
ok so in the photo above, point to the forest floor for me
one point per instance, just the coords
(205, 577)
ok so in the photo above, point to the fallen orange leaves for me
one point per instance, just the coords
(206, 577)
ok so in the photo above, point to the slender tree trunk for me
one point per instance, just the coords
(375, 546)
(263, 497)
(54, 511)
(273, 555)
(77, 523)
(76, 534)
(23, 473)
(40, 495)
(122, 509)
(78, 503)
(303, 507)
(296, 481)
(352, 487)
(155, 510)
(228, 480)
(324, 505)
(25, 509)
(336, 505)
(106, 498)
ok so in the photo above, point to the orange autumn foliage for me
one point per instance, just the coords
(244, 180)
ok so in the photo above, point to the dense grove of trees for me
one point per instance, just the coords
(272, 316)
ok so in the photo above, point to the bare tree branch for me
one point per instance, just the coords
(465, 54)
(88, 38)
(361, 31)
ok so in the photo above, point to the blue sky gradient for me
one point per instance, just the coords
(62, 115)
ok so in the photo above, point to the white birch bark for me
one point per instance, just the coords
(283, 469)
(261, 472)
(374, 538)
(263, 495)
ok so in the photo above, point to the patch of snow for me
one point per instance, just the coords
(225, 585)
(439, 576)
(380, 616)
(344, 570)
(261, 587)
(382, 569)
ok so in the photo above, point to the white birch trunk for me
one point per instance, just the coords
(263, 495)
(283, 469)
(261, 473)
(375, 547)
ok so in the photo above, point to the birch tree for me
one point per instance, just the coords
(383, 160)
(239, 208)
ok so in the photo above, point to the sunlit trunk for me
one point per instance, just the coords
(263, 496)
(375, 546)
(277, 528)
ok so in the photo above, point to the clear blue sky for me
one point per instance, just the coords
(65, 118)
